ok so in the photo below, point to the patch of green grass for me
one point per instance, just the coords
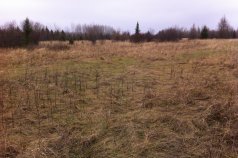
(195, 55)
(114, 66)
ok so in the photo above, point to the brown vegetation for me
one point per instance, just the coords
(120, 99)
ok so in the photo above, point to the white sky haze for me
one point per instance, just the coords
(123, 14)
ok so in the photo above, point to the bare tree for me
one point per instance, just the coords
(194, 32)
(11, 35)
(224, 29)
(170, 34)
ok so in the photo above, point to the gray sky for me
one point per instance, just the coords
(123, 14)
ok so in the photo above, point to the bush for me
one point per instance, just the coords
(57, 47)
(71, 41)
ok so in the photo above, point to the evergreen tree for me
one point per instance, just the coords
(62, 36)
(47, 31)
(52, 35)
(137, 36)
(204, 32)
(27, 30)
(137, 31)
(234, 34)
(148, 36)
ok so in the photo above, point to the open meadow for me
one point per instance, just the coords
(120, 99)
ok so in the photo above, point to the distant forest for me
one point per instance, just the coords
(31, 33)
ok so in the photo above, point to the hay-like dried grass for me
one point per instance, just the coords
(120, 99)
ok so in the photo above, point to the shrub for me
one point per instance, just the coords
(71, 41)
(57, 47)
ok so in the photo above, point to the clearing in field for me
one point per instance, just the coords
(119, 99)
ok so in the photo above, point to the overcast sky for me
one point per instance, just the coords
(123, 14)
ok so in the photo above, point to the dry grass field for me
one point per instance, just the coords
(119, 99)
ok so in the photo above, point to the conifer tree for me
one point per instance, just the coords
(137, 36)
(137, 31)
(62, 36)
(27, 30)
(204, 32)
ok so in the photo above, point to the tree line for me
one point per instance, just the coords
(30, 33)
(223, 31)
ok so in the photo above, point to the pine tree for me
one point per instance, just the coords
(62, 36)
(27, 30)
(137, 37)
(204, 32)
(234, 34)
(137, 32)
(47, 31)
